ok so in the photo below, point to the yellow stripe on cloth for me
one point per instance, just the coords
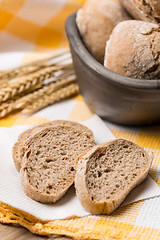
(4, 19)
(80, 107)
(55, 27)
(149, 140)
(132, 136)
(11, 6)
(79, 228)
(23, 29)
(30, 120)
(49, 38)
(49, 35)
(8, 121)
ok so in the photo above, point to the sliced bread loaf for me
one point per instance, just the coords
(108, 172)
(48, 159)
(29, 132)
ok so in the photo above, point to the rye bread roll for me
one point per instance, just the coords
(133, 50)
(48, 158)
(106, 174)
(29, 132)
(96, 20)
(146, 10)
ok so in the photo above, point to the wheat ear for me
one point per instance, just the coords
(46, 90)
(56, 96)
(31, 67)
(6, 111)
(20, 103)
(26, 83)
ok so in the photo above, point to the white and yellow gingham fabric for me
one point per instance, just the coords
(34, 25)
(32, 29)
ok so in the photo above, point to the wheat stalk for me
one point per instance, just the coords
(31, 67)
(46, 90)
(20, 103)
(26, 83)
(8, 75)
(56, 96)
(6, 108)
(17, 98)
(52, 81)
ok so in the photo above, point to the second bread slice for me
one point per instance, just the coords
(48, 159)
(108, 172)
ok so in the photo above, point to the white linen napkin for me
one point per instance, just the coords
(11, 191)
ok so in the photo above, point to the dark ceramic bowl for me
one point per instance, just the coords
(117, 98)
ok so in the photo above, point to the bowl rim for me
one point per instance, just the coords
(87, 59)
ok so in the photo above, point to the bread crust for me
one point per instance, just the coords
(15, 155)
(96, 20)
(133, 50)
(35, 195)
(81, 185)
(29, 132)
(31, 191)
(146, 10)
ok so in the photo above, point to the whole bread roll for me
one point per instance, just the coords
(96, 21)
(133, 50)
(146, 10)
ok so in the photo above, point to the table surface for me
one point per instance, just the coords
(10, 232)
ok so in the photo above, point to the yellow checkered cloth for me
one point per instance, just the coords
(34, 25)
(38, 26)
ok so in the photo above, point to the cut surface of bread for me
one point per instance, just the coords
(29, 132)
(48, 159)
(108, 172)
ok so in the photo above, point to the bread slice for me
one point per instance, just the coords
(48, 159)
(29, 132)
(106, 174)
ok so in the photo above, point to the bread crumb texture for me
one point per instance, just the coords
(113, 169)
(48, 159)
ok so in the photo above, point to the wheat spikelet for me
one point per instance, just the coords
(56, 96)
(30, 70)
(16, 99)
(46, 90)
(26, 83)
(47, 81)
(9, 106)
(5, 104)
(6, 111)
(31, 67)
(20, 103)
(17, 72)
(6, 108)
(3, 84)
